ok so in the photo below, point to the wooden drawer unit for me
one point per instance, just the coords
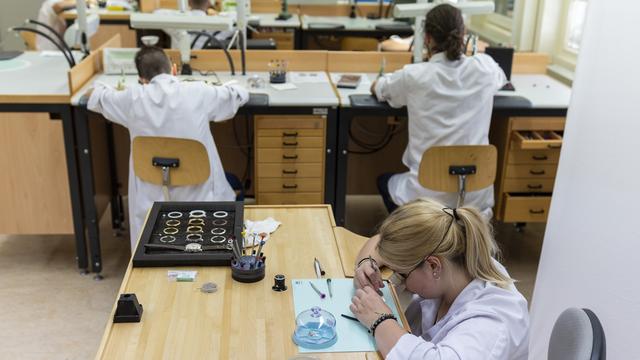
(290, 159)
(293, 198)
(546, 156)
(289, 185)
(290, 155)
(284, 171)
(526, 208)
(528, 155)
(531, 171)
(284, 39)
(528, 185)
(534, 140)
(290, 142)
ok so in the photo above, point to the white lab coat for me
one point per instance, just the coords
(171, 108)
(48, 16)
(448, 103)
(484, 322)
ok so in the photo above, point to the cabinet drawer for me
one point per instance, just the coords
(526, 208)
(534, 156)
(289, 122)
(289, 156)
(293, 198)
(290, 133)
(531, 171)
(533, 140)
(291, 185)
(274, 170)
(528, 185)
(285, 142)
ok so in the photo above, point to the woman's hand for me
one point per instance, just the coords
(368, 274)
(367, 306)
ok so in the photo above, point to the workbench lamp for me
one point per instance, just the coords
(419, 12)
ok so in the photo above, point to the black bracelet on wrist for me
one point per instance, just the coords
(379, 321)
(365, 259)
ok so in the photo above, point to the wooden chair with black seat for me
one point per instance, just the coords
(458, 169)
(173, 162)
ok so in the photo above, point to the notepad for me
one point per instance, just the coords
(352, 336)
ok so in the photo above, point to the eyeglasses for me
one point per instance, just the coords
(406, 276)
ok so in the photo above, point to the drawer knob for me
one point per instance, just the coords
(536, 172)
(290, 172)
(294, 143)
(288, 186)
(290, 157)
(293, 133)
(534, 187)
(536, 212)
(540, 157)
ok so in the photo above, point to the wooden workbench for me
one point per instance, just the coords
(239, 321)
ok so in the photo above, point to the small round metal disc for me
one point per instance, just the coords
(209, 288)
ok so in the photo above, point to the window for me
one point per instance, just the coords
(575, 24)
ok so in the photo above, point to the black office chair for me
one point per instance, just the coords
(577, 335)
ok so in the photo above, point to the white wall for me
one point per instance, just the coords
(13, 13)
(591, 252)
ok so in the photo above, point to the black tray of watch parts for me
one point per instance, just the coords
(222, 221)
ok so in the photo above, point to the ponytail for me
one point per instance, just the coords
(481, 248)
(444, 23)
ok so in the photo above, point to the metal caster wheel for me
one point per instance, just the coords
(84, 272)
(98, 277)
(520, 227)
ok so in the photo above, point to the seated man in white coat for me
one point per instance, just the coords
(162, 105)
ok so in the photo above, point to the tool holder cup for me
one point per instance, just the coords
(278, 71)
(248, 268)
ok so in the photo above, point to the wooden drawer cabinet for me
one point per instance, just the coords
(529, 151)
(528, 185)
(526, 208)
(290, 142)
(284, 171)
(531, 171)
(534, 156)
(289, 185)
(284, 39)
(294, 198)
(290, 155)
(290, 159)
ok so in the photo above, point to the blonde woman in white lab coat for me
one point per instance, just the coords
(465, 304)
(449, 101)
(162, 105)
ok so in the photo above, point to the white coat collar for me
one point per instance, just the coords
(163, 78)
(438, 57)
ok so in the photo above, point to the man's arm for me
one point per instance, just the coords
(224, 101)
(61, 6)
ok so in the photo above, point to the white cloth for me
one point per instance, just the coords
(255, 228)
(448, 103)
(171, 108)
(48, 16)
(484, 322)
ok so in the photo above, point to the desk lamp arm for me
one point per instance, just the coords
(53, 32)
(213, 40)
(69, 59)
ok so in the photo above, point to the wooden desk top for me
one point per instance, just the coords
(34, 78)
(109, 15)
(239, 321)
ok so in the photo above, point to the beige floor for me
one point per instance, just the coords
(49, 311)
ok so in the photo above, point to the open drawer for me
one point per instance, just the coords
(538, 139)
(526, 208)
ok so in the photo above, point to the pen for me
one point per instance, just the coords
(349, 317)
(329, 287)
(322, 295)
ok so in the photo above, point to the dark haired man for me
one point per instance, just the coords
(162, 105)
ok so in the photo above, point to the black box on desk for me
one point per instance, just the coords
(190, 234)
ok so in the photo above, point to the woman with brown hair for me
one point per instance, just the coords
(449, 101)
(465, 305)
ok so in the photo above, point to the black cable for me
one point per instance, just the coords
(212, 39)
(242, 52)
(246, 178)
(70, 60)
(367, 145)
(372, 150)
(54, 32)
